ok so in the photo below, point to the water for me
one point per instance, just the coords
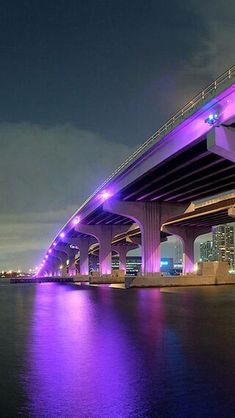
(103, 352)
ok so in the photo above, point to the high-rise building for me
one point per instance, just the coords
(223, 243)
(206, 251)
(178, 256)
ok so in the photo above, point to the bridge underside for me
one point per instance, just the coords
(192, 174)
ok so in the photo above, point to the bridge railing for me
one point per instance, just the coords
(192, 104)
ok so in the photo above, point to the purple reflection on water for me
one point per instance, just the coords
(102, 352)
(81, 357)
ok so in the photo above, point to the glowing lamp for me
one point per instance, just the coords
(62, 235)
(54, 244)
(61, 267)
(212, 118)
(50, 250)
(76, 220)
(46, 256)
(105, 195)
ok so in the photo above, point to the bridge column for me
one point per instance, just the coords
(63, 258)
(149, 216)
(187, 235)
(70, 253)
(122, 251)
(84, 244)
(53, 265)
(104, 235)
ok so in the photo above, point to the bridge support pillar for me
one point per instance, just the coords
(104, 235)
(62, 256)
(187, 235)
(72, 270)
(68, 254)
(149, 216)
(84, 244)
(53, 265)
(122, 251)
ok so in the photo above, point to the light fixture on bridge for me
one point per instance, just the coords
(76, 220)
(61, 267)
(105, 194)
(46, 256)
(50, 250)
(54, 244)
(212, 118)
(62, 235)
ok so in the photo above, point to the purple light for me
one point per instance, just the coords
(105, 195)
(76, 220)
(50, 250)
(46, 256)
(212, 118)
(54, 244)
(62, 235)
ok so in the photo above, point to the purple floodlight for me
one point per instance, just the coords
(105, 194)
(46, 256)
(54, 244)
(50, 250)
(62, 235)
(76, 220)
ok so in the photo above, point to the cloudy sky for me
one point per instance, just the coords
(82, 83)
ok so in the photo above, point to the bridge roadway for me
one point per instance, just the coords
(190, 158)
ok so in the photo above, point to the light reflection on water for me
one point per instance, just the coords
(102, 352)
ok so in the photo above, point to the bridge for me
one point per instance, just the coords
(189, 158)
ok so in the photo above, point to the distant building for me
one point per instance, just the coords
(223, 243)
(206, 251)
(178, 252)
(133, 264)
(166, 264)
(178, 255)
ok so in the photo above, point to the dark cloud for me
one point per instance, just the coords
(46, 173)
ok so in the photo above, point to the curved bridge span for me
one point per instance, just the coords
(191, 157)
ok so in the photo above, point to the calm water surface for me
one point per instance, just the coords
(91, 352)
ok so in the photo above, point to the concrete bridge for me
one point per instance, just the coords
(189, 158)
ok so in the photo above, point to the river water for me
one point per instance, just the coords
(67, 351)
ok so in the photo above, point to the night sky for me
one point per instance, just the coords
(82, 83)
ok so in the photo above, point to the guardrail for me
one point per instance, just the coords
(192, 104)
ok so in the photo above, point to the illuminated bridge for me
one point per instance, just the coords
(191, 157)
